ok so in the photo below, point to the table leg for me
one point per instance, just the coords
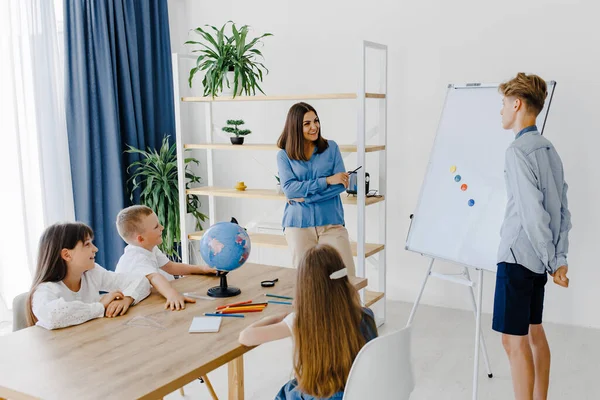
(236, 378)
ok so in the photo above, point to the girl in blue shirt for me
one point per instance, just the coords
(313, 176)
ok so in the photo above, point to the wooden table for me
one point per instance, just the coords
(146, 353)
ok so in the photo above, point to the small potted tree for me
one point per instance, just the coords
(238, 133)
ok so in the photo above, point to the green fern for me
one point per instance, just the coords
(155, 175)
(220, 53)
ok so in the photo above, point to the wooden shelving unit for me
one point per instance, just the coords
(361, 249)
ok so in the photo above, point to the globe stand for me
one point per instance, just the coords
(223, 290)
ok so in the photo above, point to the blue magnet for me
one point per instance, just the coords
(471, 203)
(457, 178)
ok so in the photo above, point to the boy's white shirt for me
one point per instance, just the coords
(137, 260)
(56, 306)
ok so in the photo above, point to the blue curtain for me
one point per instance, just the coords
(119, 91)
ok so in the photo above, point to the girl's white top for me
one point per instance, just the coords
(56, 306)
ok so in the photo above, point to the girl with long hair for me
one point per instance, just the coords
(328, 327)
(65, 289)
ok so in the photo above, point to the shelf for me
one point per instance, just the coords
(358, 283)
(334, 96)
(361, 100)
(279, 242)
(346, 148)
(265, 194)
(372, 297)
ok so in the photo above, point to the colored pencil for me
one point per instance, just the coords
(279, 297)
(224, 315)
(197, 296)
(243, 308)
(280, 302)
(244, 305)
(240, 311)
(234, 304)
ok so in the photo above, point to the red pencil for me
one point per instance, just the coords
(240, 310)
(234, 304)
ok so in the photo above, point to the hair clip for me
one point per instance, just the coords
(339, 274)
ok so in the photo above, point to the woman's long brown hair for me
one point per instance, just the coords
(326, 331)
(51, 267)
(292, 138)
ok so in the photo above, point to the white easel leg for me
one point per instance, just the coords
(483, 346)
(477, 333)
(414, 309)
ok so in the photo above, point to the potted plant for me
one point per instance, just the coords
(278, 186)
(230, 60)
(234, 130)
(155, 174)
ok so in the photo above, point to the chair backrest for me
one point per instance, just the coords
(20, 312)
(382, 369)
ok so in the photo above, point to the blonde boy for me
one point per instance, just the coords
(534, 237)
(139, 227)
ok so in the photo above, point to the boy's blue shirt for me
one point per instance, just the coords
(537, 218)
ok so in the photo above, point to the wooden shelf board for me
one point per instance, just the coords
(372, 297)
(375, 95)
(346, 148)
(327, 96)
(278, 241)
(266, 194)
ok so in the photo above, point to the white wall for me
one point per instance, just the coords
(431, 43)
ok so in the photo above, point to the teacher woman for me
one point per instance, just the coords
(312, 176)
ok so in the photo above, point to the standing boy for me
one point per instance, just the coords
(534, 237)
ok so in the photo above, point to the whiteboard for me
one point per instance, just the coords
(470, 138)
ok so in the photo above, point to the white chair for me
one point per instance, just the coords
(382, 369)
(19, 306)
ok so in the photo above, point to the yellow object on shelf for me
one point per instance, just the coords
(240, 186)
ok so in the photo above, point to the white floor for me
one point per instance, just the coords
(442, 359)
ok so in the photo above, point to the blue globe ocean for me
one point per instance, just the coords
(225, 246)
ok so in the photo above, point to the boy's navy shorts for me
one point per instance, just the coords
(519, 299)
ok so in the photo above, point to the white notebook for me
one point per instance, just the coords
(205, 324)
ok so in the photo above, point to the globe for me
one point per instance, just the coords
(225, 246)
